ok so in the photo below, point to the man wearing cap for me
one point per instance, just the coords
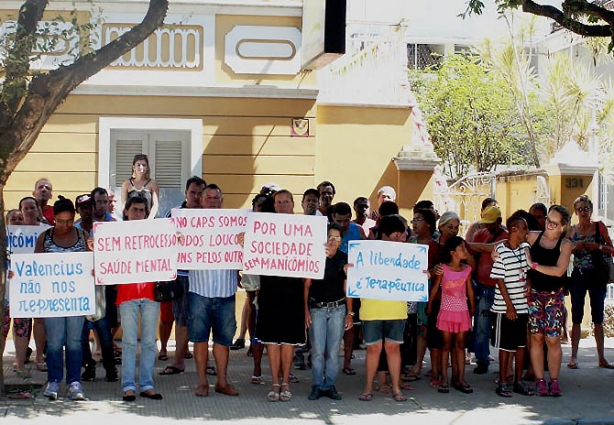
(485, 292)
(83, 205)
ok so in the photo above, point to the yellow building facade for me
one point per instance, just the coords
(220, 92)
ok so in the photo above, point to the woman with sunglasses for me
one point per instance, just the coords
(549, 257)
(588, 236)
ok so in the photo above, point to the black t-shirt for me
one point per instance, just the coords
(331, 287)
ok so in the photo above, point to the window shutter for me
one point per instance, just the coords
(124, 155)
(168, 163)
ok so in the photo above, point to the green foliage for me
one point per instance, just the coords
(471, 116)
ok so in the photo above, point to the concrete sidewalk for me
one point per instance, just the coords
(587, 399)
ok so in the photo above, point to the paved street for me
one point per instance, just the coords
(587, 399)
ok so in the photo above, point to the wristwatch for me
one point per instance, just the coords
(351, 313)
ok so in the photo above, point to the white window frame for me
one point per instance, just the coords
(108, 124)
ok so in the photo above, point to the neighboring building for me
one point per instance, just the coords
(219, 92)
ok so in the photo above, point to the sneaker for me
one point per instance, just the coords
(555, 390)
(315, 393)
(332, 393)
(111, 375)
(52, 390)
(89, 374)
(542, 388)
(75, 392)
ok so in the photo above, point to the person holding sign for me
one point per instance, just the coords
(63, 333)
(211, 300)
(281, 316)
(454, 318)
(31, 213)
(383, 322)
(134, 300)
(327, 314)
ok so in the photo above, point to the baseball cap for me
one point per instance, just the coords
(83, 200)
(490, 215)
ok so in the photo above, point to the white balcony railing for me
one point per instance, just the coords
(372, 72)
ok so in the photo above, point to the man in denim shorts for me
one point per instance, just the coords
(384, 322)
(211, 309)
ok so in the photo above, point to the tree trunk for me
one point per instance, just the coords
(3, 273)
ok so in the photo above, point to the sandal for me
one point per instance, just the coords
(285, 395)
(434, 383)
(293, 379)
(411, 376)
(41, 366)
(365, 397)
(273, 395)
(211, 371)
(163, 356)
(573, 363)
(348, 371)
(443, 388)
(503, 390)
(171, 370)
(202, 391)
(384, 388)
(399, 397)
(188, 355)
(522, 388)
(257, 380)
(604, 364)
(463, 387)
(406, 386)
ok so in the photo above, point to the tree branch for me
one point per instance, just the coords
(18, 58)
(557, 15)
(47, 91)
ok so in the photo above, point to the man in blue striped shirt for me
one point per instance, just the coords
(212, 310)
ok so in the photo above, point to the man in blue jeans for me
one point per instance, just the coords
(485, 291)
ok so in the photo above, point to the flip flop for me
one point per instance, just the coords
(211, 371)
(348, 371)
(171, 370)
(605, 365)
(188, 355)
(162, 357)
(399, 397)
(365, 397)
(572, 364)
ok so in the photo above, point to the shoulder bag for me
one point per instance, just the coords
(168, 291)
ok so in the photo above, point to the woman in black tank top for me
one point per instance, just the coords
(549, 258)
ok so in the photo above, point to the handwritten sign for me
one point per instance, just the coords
(135, 251)
(387, 271)
(285, 245)
(22, 239)
(210, 238)
(52, 285)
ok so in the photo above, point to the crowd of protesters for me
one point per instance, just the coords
(503, 285)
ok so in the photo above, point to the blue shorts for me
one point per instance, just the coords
(208, 315)
(375, 331)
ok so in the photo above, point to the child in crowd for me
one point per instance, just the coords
(510, 306)
(454, 319)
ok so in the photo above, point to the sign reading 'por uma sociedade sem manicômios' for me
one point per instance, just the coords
(285, 245)
(383, 270)
(52, 285)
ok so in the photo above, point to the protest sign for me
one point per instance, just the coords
(52, 285)
(135, 251)
(22, 239)
(285, 245)
(210, 238)
(387, 271)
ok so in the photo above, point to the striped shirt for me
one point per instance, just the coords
(511, 266)
(214, 283)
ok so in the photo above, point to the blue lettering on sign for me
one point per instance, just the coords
(24, 268)
(377, 259)
(394, 285)
(56, 305)
(20, 240)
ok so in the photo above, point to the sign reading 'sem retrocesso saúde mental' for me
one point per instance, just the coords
(210, 238)
(387, 271)
(285, 245)
(52, 285)
(135, 251)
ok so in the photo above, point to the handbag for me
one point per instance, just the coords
(168, 290)
(602, 263)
